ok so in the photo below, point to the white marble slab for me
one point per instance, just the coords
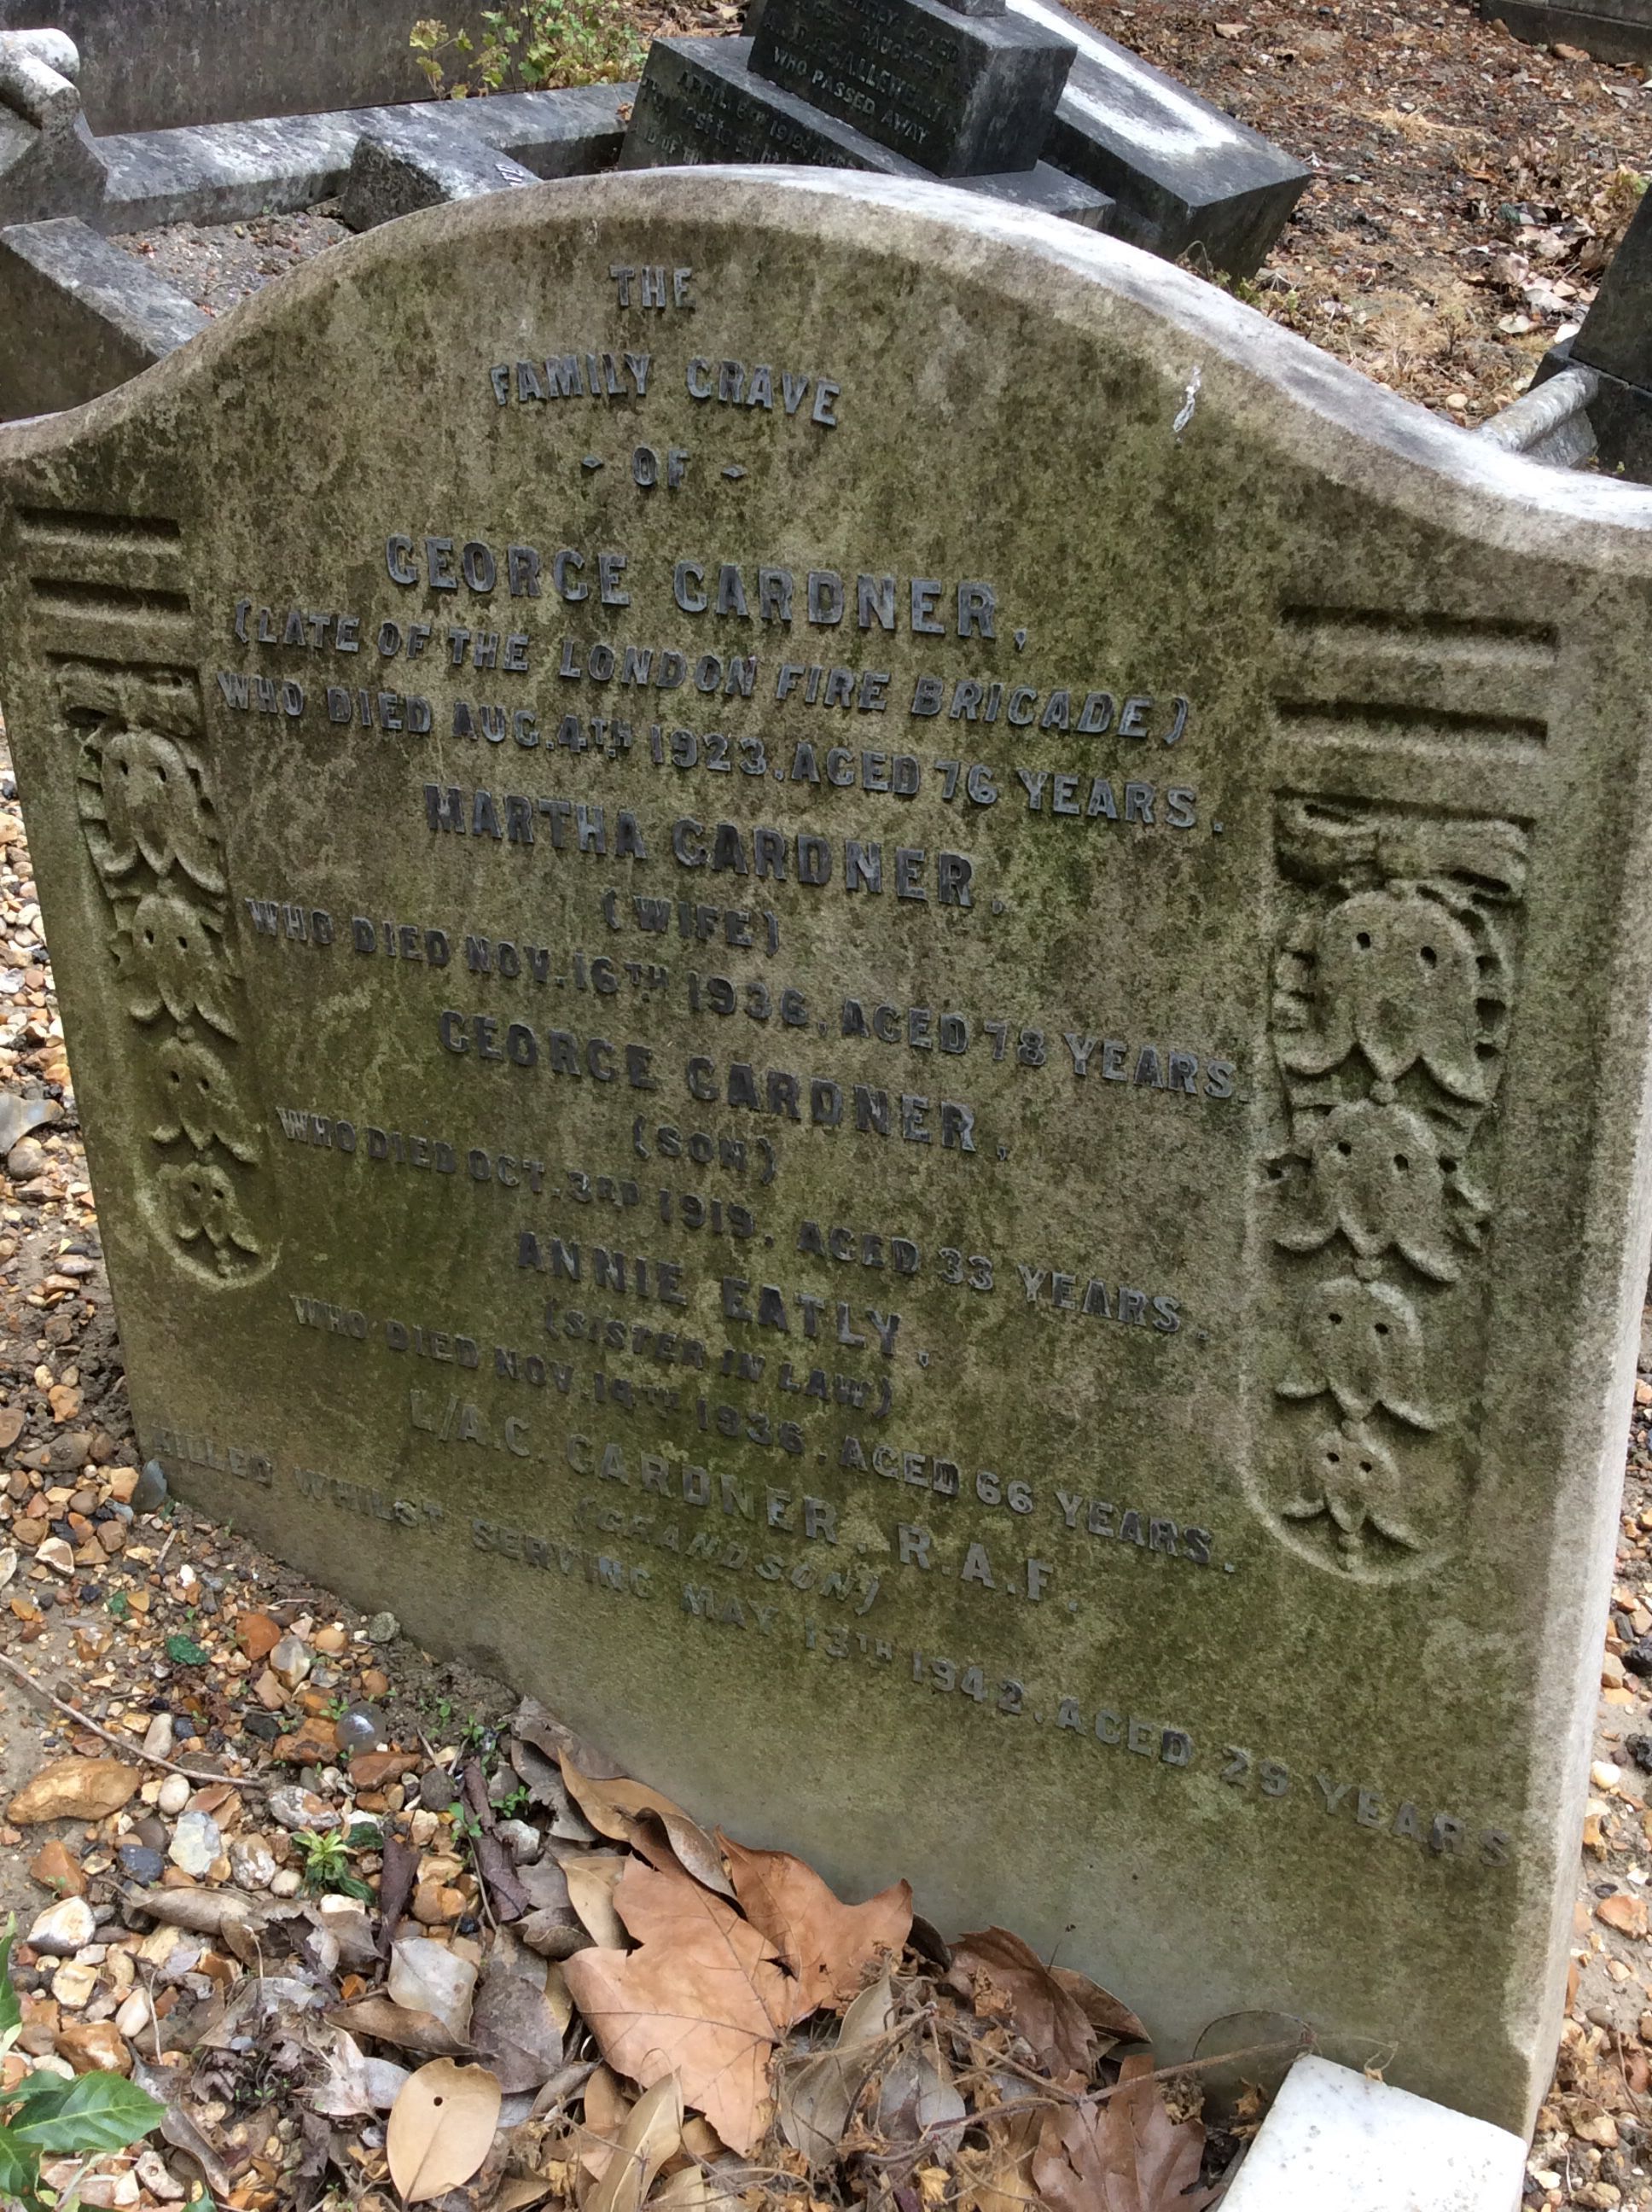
(1335, 2141)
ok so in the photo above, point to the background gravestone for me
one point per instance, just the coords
(870, 988)
(901, 88)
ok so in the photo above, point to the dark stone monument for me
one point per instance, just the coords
(700, 101)
(964, 95)
(1615, 344)
(982, 94)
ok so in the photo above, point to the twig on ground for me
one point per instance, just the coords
(127, 1748)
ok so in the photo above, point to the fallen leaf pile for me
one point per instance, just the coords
(590, 1999)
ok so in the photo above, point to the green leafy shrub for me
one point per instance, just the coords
(47, 2117)
(530, 45)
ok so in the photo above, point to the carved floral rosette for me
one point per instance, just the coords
(1394, 988)
(147, 813)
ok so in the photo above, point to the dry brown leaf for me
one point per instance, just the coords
(388, 2022)
(513, 2028)
(607, 2108)
(441, 2128)
(631, 1813)
(74, 1789)
(703, 1997)
(520, 2190)
(652, 2133)
(816, 2095)
(1124, 2156)
(826, 1944)
(1000, 2178)
(1002, 1976)
(556, 1996)
(591, 1877)
(1100, 2007)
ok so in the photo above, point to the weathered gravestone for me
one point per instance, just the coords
(858, 979)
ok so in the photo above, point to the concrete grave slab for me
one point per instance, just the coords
(49, 165)
(874, 985)
(234, 171)
(94, 314)
(1610, 30)
(421, 161)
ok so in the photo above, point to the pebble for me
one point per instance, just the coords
(73, 1984)
(55, 1554)
(300, 1809)
(133, 2015)
(174, 1794)
(158, 1737)
(1604, 1775)
(151, 1494)
(252, 1863)
(291, 1661)
(155, 2176)
(383, 1628)
(287, 1883)
(142, 1863)
(64, 1928)
(437, 1789)
(523, 1842)
(153, 1832)
(362, 1728)
(25, 1160)
(196, 1841)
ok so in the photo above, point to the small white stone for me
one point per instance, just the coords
(1604, 1775)
(133, 2015)
(158, 1740)
(520, 1840)
(157, 2177)
(174, 1794)
(195, 1842)
(72, 1985)
(296, 1808)
(287, 1883)
(64, 1928)
(252, 1863)
(55, 1554)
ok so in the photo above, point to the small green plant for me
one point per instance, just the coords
(517, 1802)
(530, 45)
(324, 1866)
(47, 2117)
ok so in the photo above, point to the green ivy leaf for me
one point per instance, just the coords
(20, 2169)
(11, 2012)
(99, 2113)
(185, 1651)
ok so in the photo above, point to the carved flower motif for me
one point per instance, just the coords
(152, 806)
(199, 1101)
(1363, 1343)
(168, 955)
(1351, 1475)
(200, 1201)
(1377, 1174)
(1398, 976)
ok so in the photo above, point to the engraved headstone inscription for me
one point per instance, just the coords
(868, 985)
